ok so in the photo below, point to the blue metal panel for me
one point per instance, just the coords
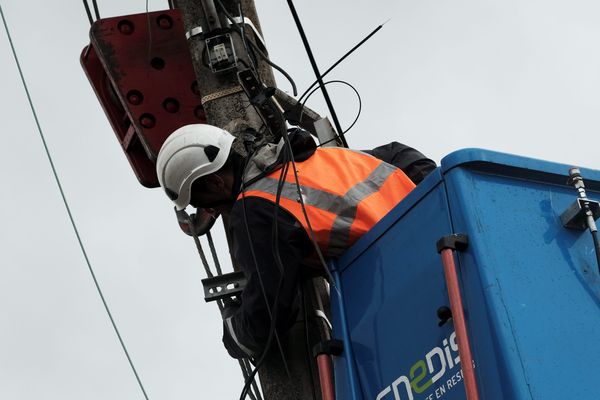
(393, 284)
(530, 168)
(534, 282)
(531, 287)
(346, 383)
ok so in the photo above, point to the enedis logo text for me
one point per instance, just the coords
(424, 372)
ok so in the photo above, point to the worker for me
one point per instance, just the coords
(343, 194)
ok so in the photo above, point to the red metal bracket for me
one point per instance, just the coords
(141, 70)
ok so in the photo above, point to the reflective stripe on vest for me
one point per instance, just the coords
(344, 192)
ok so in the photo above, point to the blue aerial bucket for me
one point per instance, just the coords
(530, 288)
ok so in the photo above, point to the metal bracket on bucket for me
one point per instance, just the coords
(575, 216)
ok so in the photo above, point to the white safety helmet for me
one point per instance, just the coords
(189, 153)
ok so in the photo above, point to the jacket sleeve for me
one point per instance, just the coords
(411, 161)
(268, 290)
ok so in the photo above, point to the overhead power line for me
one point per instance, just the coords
(62, 193)
(369, 36)
(318, 75)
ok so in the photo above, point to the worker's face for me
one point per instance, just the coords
(214, 192)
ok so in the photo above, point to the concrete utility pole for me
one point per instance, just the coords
(227, 106)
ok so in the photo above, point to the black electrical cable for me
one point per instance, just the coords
(277, 253)
(288, 157)
(593, 229)
(279, 263)
(244, 368)
(576, 180)
(271, 310)
(357, 95)
(241, 30)
(254, 392)
(277, 258)
(213, 252)
(96, 9)
(303, 206)
(275, 229)
(209, 274)
(251, 54)
(88, 12)
(254, 384)
(596, 247)
(277, 67)
(273, 314)
(313, 63)
(259, 51)
(307, 343)
(290, 154)
(341, 59)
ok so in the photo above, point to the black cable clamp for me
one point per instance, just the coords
(224, 286)
(294, 114)
(332, 347)
(260, 97)
(456, 241)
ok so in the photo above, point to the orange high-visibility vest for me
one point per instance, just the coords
(345, 193)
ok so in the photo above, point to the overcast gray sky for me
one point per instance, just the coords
(514, 76)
